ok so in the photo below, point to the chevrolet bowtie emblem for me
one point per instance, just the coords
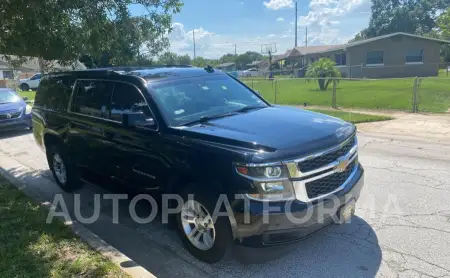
(342, 165)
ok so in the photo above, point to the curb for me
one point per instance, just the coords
(99, 245)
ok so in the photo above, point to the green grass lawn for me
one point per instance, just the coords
(29, 94)
(31, 248)
(392, 94)
(443, 73)
(353, 117)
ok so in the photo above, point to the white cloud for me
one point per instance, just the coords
(280, 19)
(324, 15)
(211, 45)
(279, 4)
(242, 3)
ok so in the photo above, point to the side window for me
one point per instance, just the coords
(54, 93)
(36, 77)
(92, 98)
(126, 98)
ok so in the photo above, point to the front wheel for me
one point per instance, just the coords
(24, 87)
(205, 239)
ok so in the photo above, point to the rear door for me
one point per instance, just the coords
(88, 132)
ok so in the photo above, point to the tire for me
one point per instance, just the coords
(24, 87)
(223, 239)
(56, 155)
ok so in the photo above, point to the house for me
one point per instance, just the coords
(226, 66)
(393, 55)
(30, 67)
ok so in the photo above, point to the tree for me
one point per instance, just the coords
(168, 58)
(184, 60)
(323, 70)
(99, 31)
(227, 58)
(409, 16)
(443, 24)
(247, 58)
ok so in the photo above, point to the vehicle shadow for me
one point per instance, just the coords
(4, 134)
(349, 250)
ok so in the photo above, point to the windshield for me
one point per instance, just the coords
(193, 99)
(7, 96)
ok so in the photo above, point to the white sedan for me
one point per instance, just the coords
(30, 83)
(251, 73)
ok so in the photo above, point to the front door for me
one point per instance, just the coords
(138, 157)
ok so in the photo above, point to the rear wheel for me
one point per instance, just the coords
(24, 87)
(204, 238)
(62, 169)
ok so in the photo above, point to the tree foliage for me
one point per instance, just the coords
(409, 16)
(102, 32)
(322, 70)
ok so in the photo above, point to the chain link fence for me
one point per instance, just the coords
(419, 94)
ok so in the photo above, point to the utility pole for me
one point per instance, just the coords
(296, 24)
(306, 36)
(235, 50)
(193, 38)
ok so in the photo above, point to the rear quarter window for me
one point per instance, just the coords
(54, 93)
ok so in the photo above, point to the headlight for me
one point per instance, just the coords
(272, 182)
(28, 109)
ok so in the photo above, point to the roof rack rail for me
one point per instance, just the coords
(132, 68)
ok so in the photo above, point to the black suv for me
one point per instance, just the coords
(194, 131)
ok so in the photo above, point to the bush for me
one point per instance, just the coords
(324, 70)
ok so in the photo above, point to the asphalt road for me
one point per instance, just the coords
(401, 227)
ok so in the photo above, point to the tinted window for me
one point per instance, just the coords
(414, 56)
(126, 98)
(54, 93)
(7, 96)
(36, 77)
(375, 57)
(190, 99)
(93, 98)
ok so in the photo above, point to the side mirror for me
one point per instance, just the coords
(137, 119)
(25, 99)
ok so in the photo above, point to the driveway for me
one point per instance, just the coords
(401, 227)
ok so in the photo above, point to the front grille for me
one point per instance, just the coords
(329, 183)
(12, 115)
(323, 160)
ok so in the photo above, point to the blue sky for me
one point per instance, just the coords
(219, 24)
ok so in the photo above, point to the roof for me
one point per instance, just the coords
(224, 65)
(32, 64)
(150, 74)
(254, 63)
(305, 50)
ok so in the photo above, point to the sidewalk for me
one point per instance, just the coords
(435, 128)
(428, 126)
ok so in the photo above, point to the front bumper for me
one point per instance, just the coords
(23, 121)
(260, 224)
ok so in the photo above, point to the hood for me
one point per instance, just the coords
(12, 106)
(274, 128)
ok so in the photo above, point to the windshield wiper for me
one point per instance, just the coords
(248, 108)
(205, 119)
